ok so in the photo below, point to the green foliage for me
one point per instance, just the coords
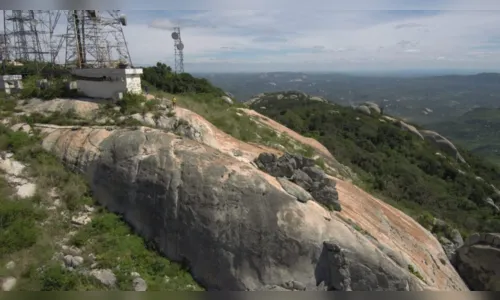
(18, 225)
(55, 88)
(116, 245)
(30, 68)
(415, 272)
(131, 103)
(395, 164)
(162, 78)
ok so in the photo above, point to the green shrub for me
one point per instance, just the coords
(131, 103)
(415, 272)
(18, 225)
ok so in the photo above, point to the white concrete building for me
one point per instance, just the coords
(11, 83)
(108, 83)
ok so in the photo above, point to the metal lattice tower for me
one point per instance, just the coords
(29, 35)
(95, 39)
(178, 50)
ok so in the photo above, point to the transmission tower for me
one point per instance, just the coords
(95, 39)
(178, 50)
(29, 35)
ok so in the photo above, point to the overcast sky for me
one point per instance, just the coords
(320, 38)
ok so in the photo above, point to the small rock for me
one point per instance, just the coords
(8, 284)
(81, 220)
(294, 190)
(71, 250)
(89, 208)
(73, 261)
(237, 152)
(106, 276)
(92, 257)
(94, 265)
(135, 274)
(26, 190)
(139, 285)
(10, 265)
(166, 279)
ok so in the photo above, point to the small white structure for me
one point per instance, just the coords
(10, 83)
(108, 83)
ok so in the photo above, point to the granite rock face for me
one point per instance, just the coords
(232, 224)
(478, 262)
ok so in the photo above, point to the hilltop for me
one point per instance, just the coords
(160, 198)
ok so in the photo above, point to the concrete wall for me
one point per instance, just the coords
(118, 81)
(11, 83)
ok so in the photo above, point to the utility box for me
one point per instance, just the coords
(106, 82)
(11, 83)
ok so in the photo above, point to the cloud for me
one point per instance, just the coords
(408, 25)
(324, 40)
(299, 39)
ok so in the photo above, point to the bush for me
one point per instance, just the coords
(131, 103)
(18, 225)
(162, 78)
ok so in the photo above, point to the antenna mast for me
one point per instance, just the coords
(178, 50)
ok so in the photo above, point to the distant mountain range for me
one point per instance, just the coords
(421, 99)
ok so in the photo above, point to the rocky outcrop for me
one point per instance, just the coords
(303, 172)
(364, 109)
(442, 143)
(410, 128)
(449, 237)
(235, 227)
(82, 107)
(373, 107)
(478, 262)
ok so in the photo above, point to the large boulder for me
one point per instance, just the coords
(232, 224)
(373, 107)
(478, 262)
(442, 143)
(364, 109)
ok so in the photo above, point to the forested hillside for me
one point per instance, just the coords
(396, 164)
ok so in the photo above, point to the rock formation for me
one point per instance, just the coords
(478, 262)
(236, 228)
(442, 143)
(303, 172)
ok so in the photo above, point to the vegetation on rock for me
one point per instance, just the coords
(30, 232)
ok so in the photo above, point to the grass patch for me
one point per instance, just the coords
(228, 118)
(416, 273)
(119, 249)
(18, 223)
